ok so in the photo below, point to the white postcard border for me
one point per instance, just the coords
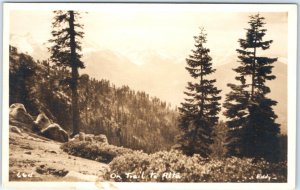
(292, 78)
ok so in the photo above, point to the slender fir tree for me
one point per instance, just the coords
(219, 148)
(65, 52)
(253, 129)
(199, 112)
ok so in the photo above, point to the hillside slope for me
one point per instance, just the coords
(34, 158)
(129, 118)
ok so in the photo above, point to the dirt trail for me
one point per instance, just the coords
(33, 158)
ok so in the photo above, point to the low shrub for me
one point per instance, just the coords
(95, 151)
(173, 166)
(162, 166)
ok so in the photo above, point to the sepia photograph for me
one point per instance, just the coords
(146, 92)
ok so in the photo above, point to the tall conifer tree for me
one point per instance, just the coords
(199, 112)
(254, 132)
(65, 52)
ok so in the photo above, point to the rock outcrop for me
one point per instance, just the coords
(20, 118)
(41, 122)
(15, 129)
(55, 132)
(18, 113)
(90, 138)
(101, 138)
(43, 126)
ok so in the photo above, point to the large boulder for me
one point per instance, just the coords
(41, 122)
(83, 137)
(15, 129)
(55, 132)
(17, 112)
(101, 138)
(75, 138)
(90, 138)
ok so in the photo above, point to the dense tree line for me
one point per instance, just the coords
(132, 119)
(129, 118)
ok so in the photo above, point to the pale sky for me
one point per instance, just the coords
(145, 48)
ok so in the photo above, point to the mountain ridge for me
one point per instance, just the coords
(165, 77)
